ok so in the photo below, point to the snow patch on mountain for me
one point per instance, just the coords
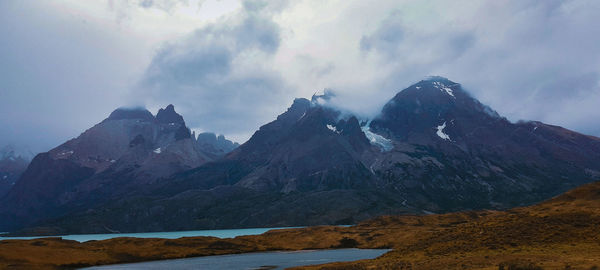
(444, 88)
(64, 154)
(333, 128)
(383, 143)
(440, 132)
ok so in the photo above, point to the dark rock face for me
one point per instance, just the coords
(168, 115)
(433, 148)
(38, 187)
(314, 151)
(309, 147)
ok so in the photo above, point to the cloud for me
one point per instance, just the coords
(165, 5)
(230, 66)
(56, 79)
(527, 59)
(219, 75)
(127, 9)
(386, 38)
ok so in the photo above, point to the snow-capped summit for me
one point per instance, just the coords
(441, 84)
(433, 110)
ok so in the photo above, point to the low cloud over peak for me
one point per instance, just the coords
(217, 74)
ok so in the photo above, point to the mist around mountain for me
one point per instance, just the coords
(13, 162)
(432, 149)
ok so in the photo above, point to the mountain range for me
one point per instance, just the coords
(432, 148)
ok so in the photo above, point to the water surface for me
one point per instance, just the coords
(259, 260)
(167, 235)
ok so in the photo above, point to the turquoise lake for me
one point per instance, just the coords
(167, 235)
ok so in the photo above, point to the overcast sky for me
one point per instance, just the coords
(231, 66)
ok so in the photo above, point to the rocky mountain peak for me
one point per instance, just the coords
(168, 115)
(216, 145)
(436, 87)
(439, 90)
(131, 113)
(296, 111)
(435, 109)
(437, 78)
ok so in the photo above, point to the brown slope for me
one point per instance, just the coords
(561, 233)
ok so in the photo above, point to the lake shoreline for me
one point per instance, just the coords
(225, 233)
(58, 253)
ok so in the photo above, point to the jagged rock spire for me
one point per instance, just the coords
(168, 115)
